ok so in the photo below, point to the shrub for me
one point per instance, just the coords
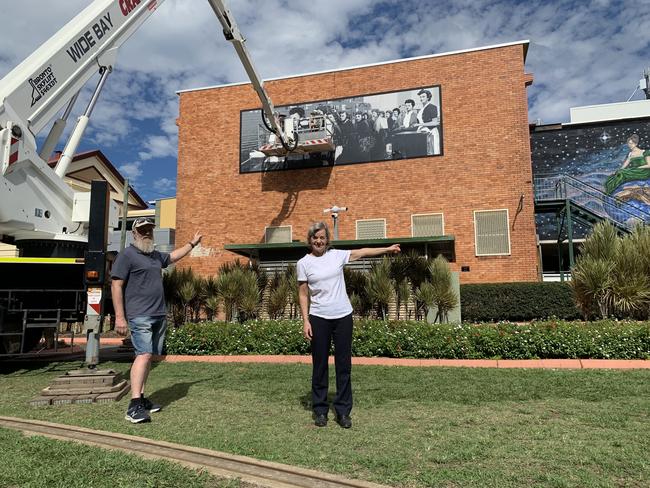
(411, 339)
(517, 302)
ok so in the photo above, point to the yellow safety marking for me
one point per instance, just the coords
(43, 260)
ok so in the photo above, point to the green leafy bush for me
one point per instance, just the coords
(517, 302)
(411, 339)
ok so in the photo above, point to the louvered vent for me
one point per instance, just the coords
(492, 234)
(371, 229)
(425, 225)
(274, 235)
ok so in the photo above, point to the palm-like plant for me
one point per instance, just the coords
(174, 282)
(249, 299)
(188, 293)
(425, 295)
(402, 296)
(210, 297)
(592, 274)
(612, 275)
(590, 283)
(380, 286)
(445, 298)
(229, 286)
(278, 296)
(629, 291)
(356, 284)
(291, 275)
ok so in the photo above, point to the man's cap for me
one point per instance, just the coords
(142, 221)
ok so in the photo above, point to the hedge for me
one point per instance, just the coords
(402, 339)
(517, 302)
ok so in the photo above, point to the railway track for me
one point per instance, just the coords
(251, 472)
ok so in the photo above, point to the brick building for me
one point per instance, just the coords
(471, 199)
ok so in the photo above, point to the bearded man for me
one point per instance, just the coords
(139, 302)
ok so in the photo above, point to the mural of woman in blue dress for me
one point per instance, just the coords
(636, 166)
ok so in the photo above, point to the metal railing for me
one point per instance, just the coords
(565, 187)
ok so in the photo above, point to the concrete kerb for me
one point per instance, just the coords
(463, 363)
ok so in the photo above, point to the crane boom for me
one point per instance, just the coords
(35, 203)
(42, 84)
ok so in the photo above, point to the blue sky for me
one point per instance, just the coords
(581, 53)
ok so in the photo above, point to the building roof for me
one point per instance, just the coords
(523, 43)
(92, 165)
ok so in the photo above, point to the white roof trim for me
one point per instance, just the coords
(427, 56)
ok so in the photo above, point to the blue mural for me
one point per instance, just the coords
(608, 164)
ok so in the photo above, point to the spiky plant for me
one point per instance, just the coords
(445, 298)
(593, 274)
(210, 297)
(188, 293)
(291, 275)
(425, 296)
(278, 296)
(402, 296)
(590, 283)
(602, 243)
(356, 284)
(380, 286)
(229, 285)
(249, 300)
(629, 292)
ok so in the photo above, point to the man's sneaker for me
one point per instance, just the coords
(151, 406)
(137, 413)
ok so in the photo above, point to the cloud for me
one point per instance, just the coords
(158, 147)
(132, 171)
(164, 184)
(581, 53)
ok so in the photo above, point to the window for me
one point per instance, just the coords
(274, 235)
(492, 233)
(425, 225)
(371, 229)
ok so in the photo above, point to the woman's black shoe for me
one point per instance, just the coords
(321, 420)
(344, 421)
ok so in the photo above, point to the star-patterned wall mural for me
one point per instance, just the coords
(612, 158)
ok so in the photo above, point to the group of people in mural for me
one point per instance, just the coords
(374, 134)
(635, 167)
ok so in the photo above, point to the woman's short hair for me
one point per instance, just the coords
(315, 227)
(634, 138)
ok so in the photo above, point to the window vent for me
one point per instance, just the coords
(371, 229)
(492, 233)
(425, 225)
(273, 235)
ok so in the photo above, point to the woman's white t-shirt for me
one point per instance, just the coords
(324, 276)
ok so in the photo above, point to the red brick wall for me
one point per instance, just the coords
(486, 163)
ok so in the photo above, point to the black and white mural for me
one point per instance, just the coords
(609, 162)
(368, 128)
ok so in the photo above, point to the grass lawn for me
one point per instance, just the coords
(35, 462)
(414, 427)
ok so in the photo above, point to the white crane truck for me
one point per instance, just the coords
(53, 280)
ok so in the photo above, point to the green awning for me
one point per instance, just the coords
(290, 251)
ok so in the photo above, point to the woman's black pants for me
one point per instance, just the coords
(323, 332)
